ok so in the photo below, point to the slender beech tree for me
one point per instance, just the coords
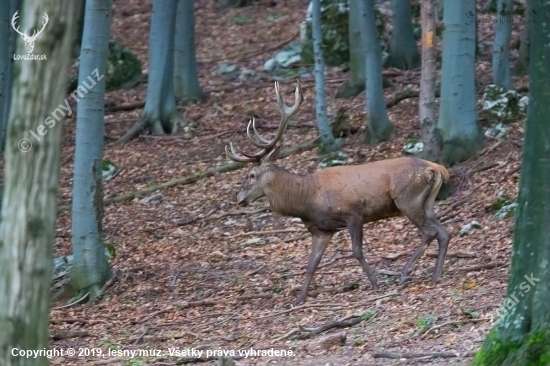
(7, 47)
(31, 180)
(522, 334)
(90, 268)
(461, 133)
(522, 63)
(501, 45)
(379, 127)
(186, 78)
(431, 138)
(160, 115)
(327, 138)
(356, 81)
(403, 52)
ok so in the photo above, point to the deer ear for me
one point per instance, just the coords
(272, 156)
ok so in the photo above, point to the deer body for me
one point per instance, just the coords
(347, 197)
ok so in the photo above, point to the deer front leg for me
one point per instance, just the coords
(320, 241)
(355, 227)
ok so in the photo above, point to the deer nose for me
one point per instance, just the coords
(241, 199)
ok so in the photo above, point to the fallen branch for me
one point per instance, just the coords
(83, 321)
(73, 303)
(398, 97)
(124, 107)
(67, 334)
(432, 254)
(463, 321)
(477, 267)
(198, 176)
(205, 302)
(298, 237)
(482, 168)
(266, 232)
(422, 354)
(306, 306)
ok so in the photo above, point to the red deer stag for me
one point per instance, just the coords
(332, 199)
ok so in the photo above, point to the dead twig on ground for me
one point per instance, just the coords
(432, 254)
(205, 302)
(83, 321)
(463, 321)
(266, 232)
(67, 334)
(348, 321)
(73, 303)
(124, 107)
(422, 354)
(317, 305)
(477, 267)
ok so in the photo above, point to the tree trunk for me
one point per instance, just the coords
(160, 114)
(458, 123)
(90, 269)
(186, 78)
(501, 45)
(403, 52)
(327, 138)
(522, 335)
(356, 81)
(7, 49)
(29, 208)
(379, 126)
(522, 63)
(431, 138)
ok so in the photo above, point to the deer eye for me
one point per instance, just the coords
(252, 175)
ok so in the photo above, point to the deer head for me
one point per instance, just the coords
(29, 40)
(261, 173)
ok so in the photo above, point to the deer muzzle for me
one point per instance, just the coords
(241, 198)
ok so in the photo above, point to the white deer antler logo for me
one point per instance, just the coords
(29, 40)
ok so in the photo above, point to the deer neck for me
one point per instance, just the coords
(290, 194)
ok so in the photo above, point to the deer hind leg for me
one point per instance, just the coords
(355, 227)
(419, 209)
(320, 241)
(443, 238)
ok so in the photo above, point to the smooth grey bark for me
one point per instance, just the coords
(522, 63)
(29, 207)
(501, 46)
(160, 115)
(403, 52)
(379, 127)
(521, 337)
(7, 48)
(356, 81)
(327, 138)
(186, 79)
(431, 137)
(90, 269)
(462, 137)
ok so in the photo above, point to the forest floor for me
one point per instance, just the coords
(194, 270)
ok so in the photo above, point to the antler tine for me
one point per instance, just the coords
(263, 142)
(235, 156)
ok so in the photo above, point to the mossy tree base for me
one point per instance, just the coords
(458, 150)
(154, 126)
(533, 350)
(378, 131)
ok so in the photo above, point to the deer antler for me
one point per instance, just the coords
(35, 33)
(265, 145)
(13, 19)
